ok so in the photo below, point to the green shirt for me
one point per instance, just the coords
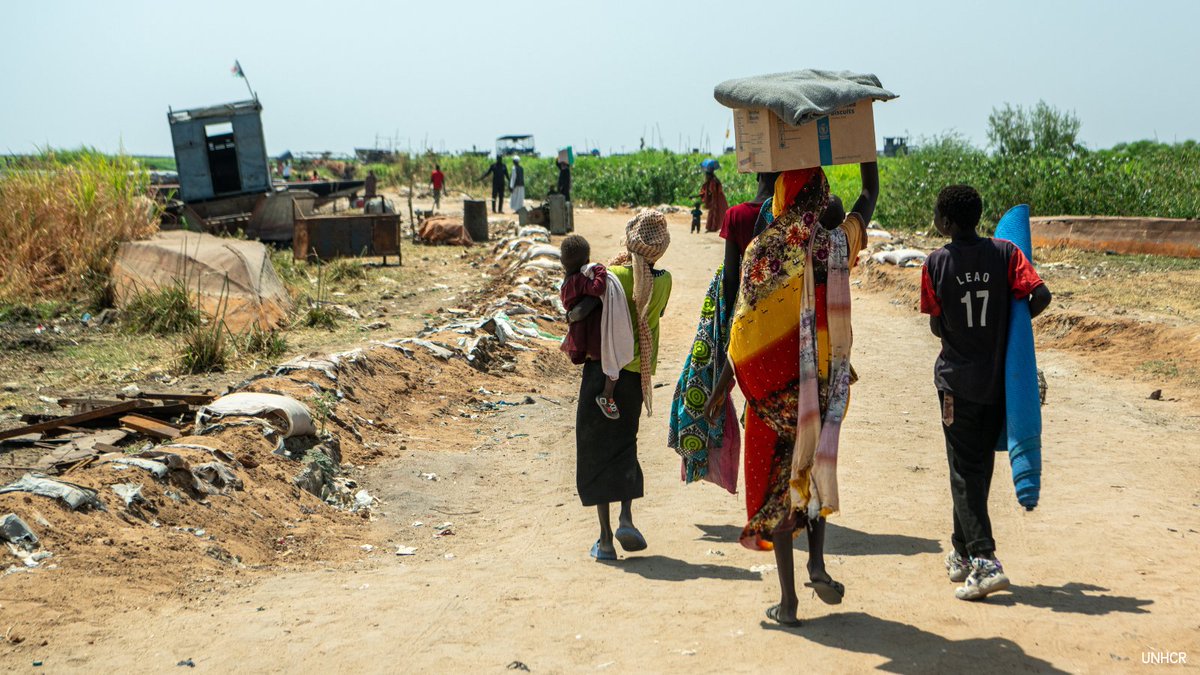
(658, 304)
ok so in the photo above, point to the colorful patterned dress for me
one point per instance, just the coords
(790, 347)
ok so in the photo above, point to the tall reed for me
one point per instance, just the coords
(62, 218)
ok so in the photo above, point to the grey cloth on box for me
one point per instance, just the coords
(801, 95)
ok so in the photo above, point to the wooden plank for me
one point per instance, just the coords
(72, 420)
(194, 398)
(166, 411)
(83, 405)
(151, 427)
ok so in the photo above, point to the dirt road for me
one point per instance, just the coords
(1103, 570)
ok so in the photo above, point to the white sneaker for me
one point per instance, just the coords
(987, 576)
(958, 567)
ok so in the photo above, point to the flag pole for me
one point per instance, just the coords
(238, 72)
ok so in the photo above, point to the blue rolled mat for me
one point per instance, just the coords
(1023, 403)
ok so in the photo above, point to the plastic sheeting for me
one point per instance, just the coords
(210, 268)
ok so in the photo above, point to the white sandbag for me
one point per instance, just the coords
(289, 415)
(902, 257)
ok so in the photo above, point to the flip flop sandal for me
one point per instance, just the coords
(830, 592)
(773, 614)
(631, 540)
(608, 407)
(602, 555)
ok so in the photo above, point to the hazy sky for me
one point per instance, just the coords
(332, 75)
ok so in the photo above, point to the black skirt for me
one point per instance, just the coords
(606, 463)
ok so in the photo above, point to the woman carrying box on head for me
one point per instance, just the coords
(789, 347)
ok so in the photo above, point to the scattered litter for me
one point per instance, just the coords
(131, 493)
(439, 351)
(762, 569)
(187, 662)
(517, 665)
(367, 547)
(348, 312)
(902, 257)
(715, 552)
(429, 476)
(15, 531)
(219, 476)
(75, 496)
(449, 556)
(157, 469)
(363, 500)
(406, 550)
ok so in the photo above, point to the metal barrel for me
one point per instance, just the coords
(475, 219)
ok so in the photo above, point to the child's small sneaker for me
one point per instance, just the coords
(987, 576)
(608, 407)
(958, 567)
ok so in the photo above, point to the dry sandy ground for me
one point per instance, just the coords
(1103, 570)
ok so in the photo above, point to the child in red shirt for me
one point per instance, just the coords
(965, 289)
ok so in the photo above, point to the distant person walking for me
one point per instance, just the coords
(372, 183)
(564, 180)
(517, 201)
(713, 196)
(499, 174)
(437, 180)
(287, 171)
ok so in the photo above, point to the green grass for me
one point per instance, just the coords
(345, 269)
(162, 311)
(266, 343)
(320, 315)
(1159, 367)
(205, 349)
(36, 312)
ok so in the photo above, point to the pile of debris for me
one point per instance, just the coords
(98, 425)
(528, 310)
(264, 456)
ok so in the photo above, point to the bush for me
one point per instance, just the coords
(343, 269)
(264, 342)
(161, 311)
(205, 349)
(320, 315)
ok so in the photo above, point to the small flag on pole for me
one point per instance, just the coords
(237, 70)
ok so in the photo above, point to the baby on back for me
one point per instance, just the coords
(605, 336)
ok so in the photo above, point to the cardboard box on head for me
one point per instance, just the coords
(766, 143)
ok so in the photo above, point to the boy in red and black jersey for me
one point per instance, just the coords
(966, 287)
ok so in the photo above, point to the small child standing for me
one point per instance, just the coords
(696, 213)
(605, 336)
(965, 290)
